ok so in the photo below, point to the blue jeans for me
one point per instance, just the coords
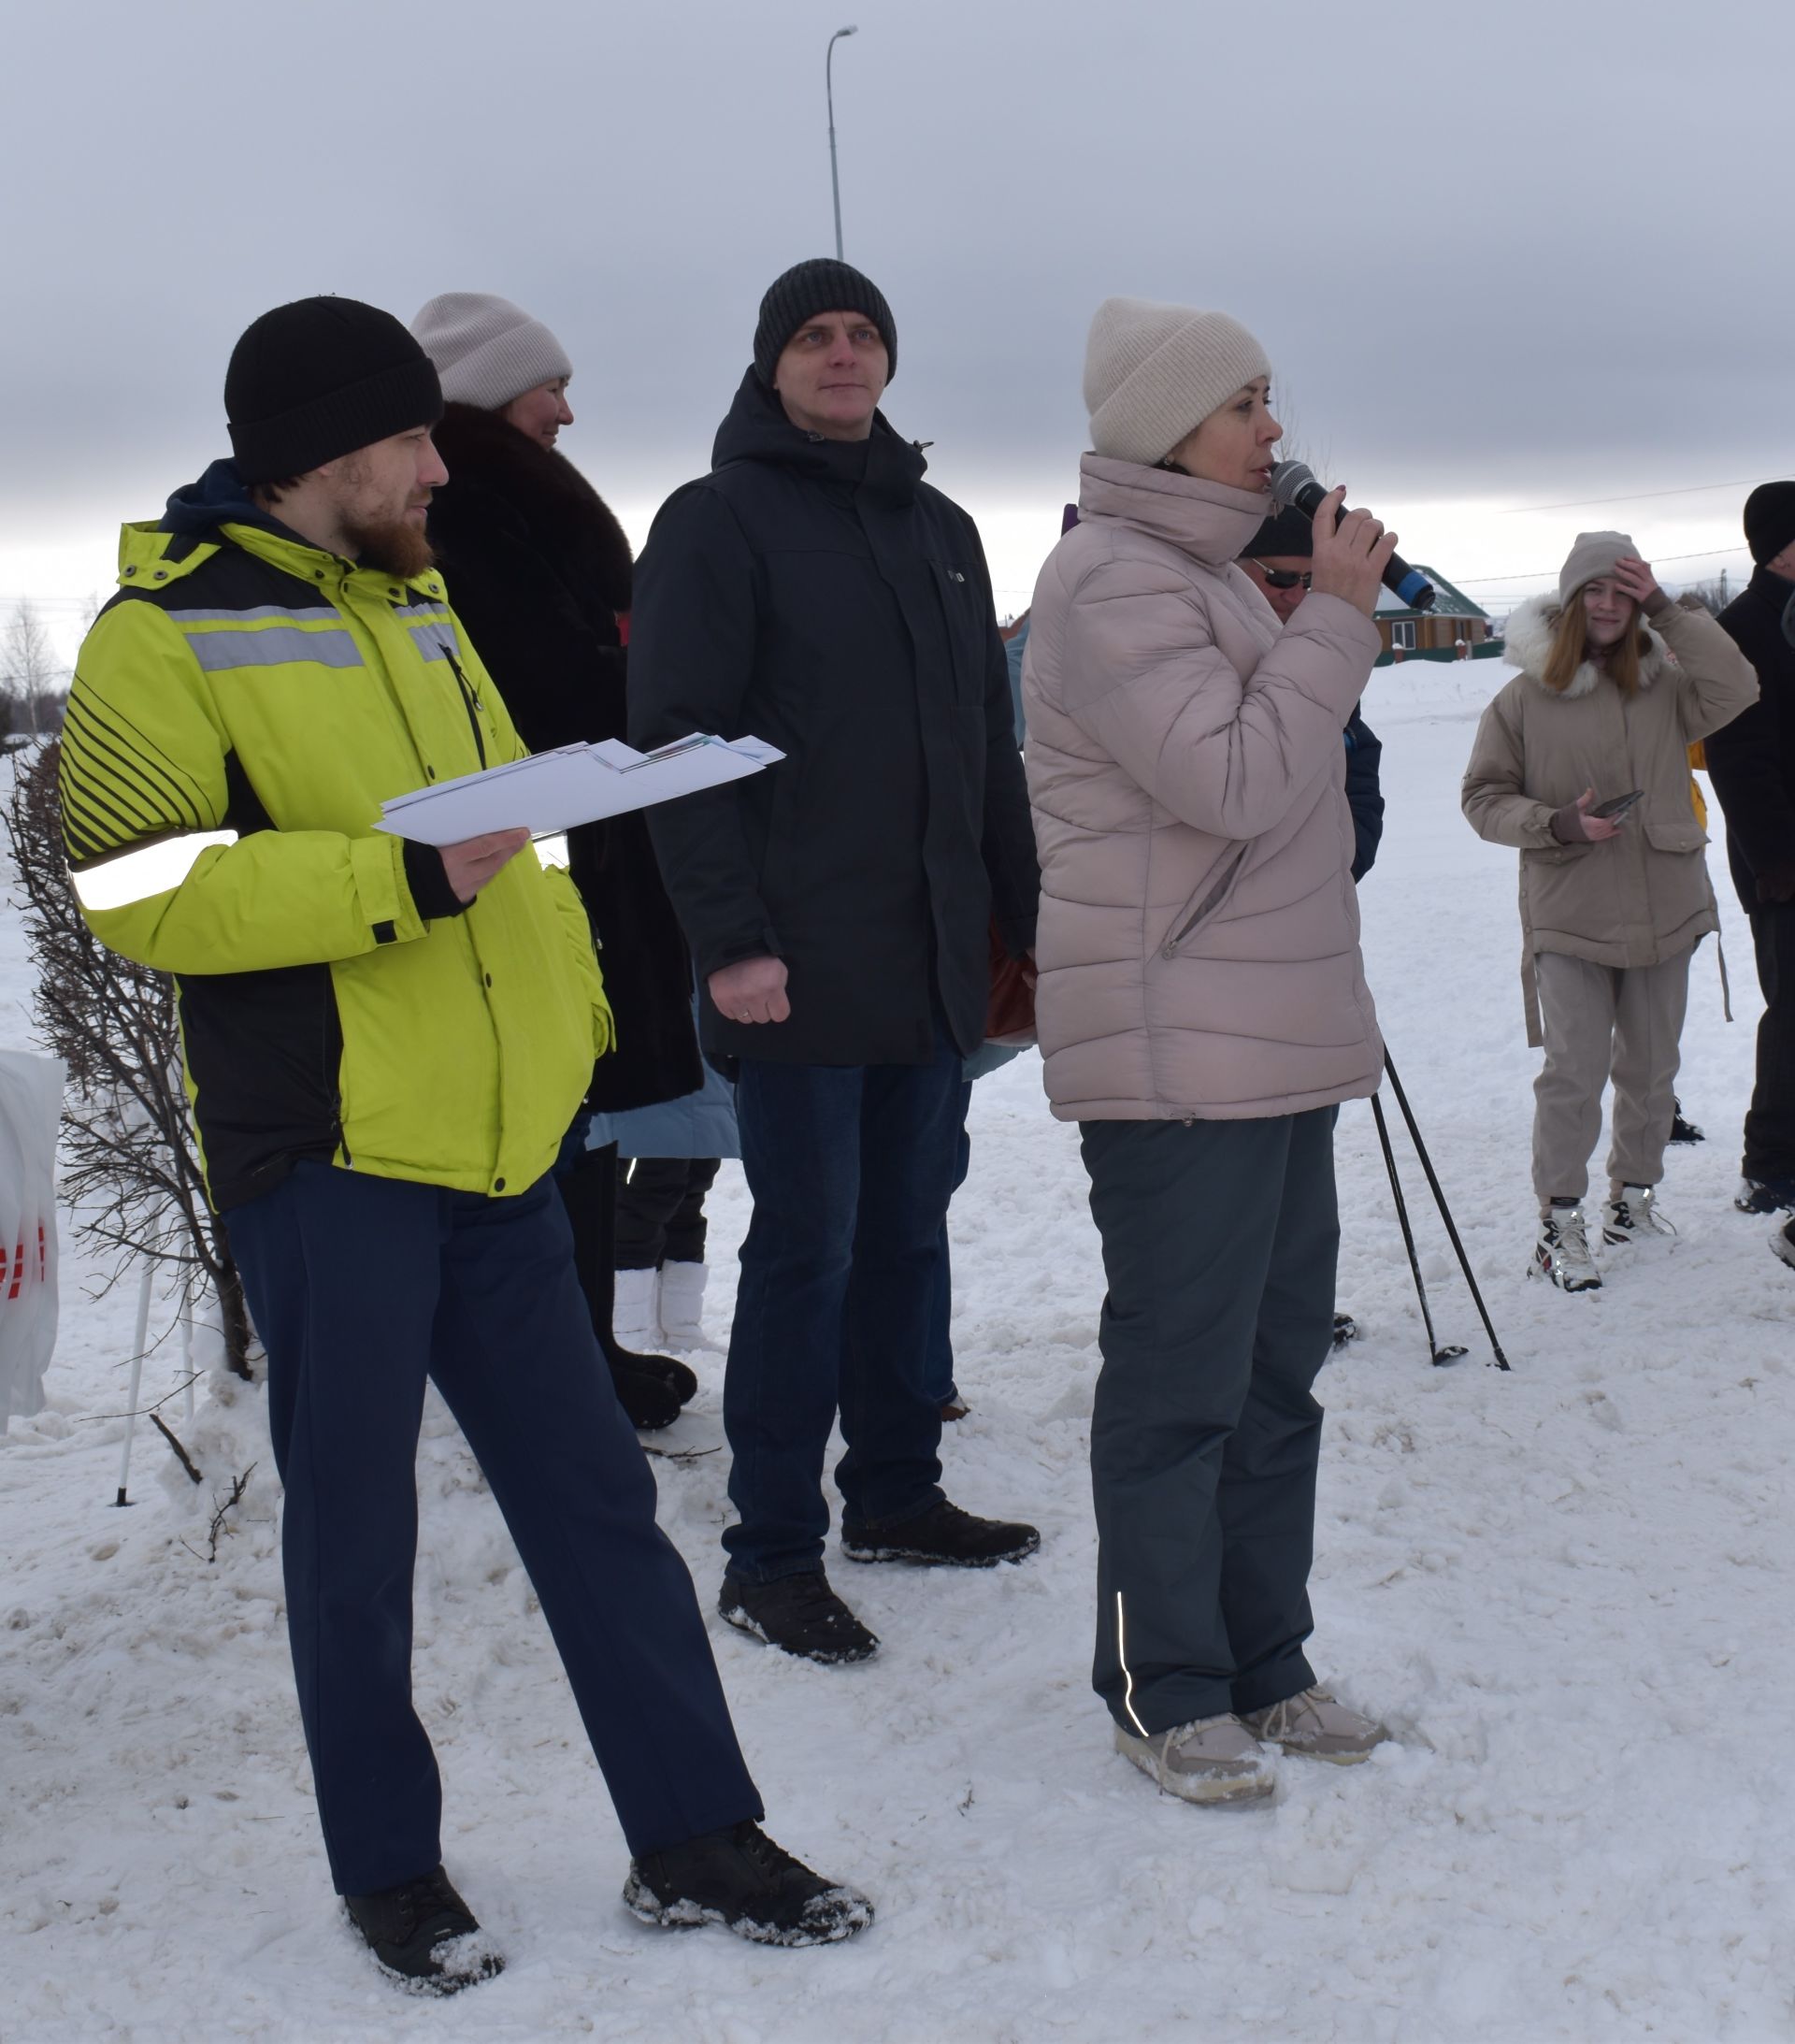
(940, 1367)
(362, 1288)
(851, 1168)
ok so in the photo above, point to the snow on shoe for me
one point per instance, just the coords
(1781, 1243)
(1210, 1759)
(738, 1878)
(1316, 1724)
(424, 1935)
(1632, 1216)
(942, 1538)
(1562, 1251)
(799, 1614)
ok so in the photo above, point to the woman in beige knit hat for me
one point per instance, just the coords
(1202, 1012)
(1617, 682)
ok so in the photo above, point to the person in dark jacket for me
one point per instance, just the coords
(1752, 765)
(542, 573)
(814, 592)
(1278, 563)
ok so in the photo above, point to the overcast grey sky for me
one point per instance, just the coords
(1499, 254)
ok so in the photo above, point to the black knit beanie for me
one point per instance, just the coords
(319, 377)
(1769, 520)
(819, 285)
(1290, 534)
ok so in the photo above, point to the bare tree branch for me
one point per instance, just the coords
(131, 1165)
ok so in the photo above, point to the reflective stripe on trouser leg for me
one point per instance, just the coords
(1122, 1655)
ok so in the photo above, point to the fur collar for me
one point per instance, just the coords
(565, 515)
(1529, 644)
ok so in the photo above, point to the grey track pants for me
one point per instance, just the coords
(1603, 1021)
(1220, 1240)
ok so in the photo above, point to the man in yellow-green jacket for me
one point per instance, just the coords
(385, 1046)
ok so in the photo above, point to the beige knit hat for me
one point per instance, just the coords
(1592, 554)
(487, 350)
(1152, 373)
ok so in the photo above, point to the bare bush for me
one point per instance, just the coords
(132, 1168)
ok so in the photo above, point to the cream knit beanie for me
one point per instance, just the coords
(487, 350)
(1592, 554)
(1152, 373)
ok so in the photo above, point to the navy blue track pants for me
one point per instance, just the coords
(362, 1288)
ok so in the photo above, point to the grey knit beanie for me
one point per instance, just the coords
(1592, 554)
(1152, 373)
(487, 350)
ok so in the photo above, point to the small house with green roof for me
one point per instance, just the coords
(1455, 629)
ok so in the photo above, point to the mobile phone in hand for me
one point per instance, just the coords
(1618, 805)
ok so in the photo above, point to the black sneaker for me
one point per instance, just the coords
(1682, 1130)
(1345, 1329)
(1781, 1243)
(800, 1614)
(738, 1878)
(423, 1933)
(942, 1538)
(1765, 1195)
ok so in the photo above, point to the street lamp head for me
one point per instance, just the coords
(850, 31)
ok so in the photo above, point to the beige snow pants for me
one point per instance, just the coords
(1603, 1021)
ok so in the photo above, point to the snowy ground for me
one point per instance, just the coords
(1562, 1587)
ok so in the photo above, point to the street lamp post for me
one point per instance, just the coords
(829, 89)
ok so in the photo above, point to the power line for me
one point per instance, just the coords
(1639, 497)
(1543, 574)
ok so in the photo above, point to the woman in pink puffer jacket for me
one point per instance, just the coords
(1202, 1011)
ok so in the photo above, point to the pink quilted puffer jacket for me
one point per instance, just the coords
(1199, 936)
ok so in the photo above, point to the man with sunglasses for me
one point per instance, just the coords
(1278, 563)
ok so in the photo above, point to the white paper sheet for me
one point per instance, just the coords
(552, 792)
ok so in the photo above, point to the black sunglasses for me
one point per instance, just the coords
(1282, 578)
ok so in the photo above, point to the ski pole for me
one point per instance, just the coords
(1445, 1212)
(137, 1348)
(1440, 1355)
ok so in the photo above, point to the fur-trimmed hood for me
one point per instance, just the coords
(1529, 644)
(567, 520)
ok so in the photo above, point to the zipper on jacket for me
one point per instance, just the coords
(471, 702)
(1207, 906)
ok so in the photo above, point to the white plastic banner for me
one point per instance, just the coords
(31, 1107)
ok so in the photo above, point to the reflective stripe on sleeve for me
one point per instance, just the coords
(149, 869)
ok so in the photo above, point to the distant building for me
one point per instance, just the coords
(1455, 629)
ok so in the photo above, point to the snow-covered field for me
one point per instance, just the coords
(1565, 1588)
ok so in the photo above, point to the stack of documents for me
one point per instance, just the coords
(550, 792)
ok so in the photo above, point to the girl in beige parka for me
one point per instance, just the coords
(1616, 684)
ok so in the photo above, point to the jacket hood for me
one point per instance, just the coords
(757, 429)
(221, 496)
(1208, 521)
(1529, 642)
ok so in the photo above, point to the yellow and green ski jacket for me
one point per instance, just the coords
(240, 709)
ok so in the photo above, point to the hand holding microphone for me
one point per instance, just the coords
(1352, 555)
(1294, 486)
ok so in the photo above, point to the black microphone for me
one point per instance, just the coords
(1294, 486)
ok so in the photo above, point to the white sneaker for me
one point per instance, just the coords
(683, 1307)
(636, 1311)
(1632, 1216)
(1318, 1725)
(1210, 1759)
(1562, 1251)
